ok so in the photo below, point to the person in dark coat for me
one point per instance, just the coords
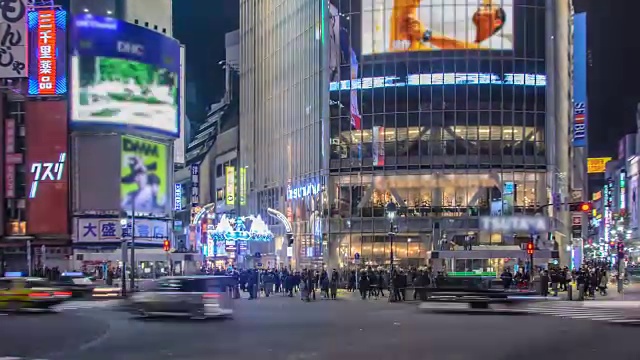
(333, 284)
(364, 285)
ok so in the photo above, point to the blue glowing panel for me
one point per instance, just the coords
(440, 79)
(48, 52)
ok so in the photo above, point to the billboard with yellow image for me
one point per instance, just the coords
(428, 25)
(143, 176)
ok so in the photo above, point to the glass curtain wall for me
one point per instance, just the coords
(446, 117)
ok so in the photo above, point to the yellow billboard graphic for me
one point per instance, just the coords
(230, 181)
(597, 165)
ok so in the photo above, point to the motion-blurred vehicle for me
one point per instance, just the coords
(77, 283)
(197, 297)
(29, 293)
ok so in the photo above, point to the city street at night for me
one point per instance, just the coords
(286, 328)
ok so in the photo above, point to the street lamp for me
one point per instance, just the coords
(390, 211)
(123, 225)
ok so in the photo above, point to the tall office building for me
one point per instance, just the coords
(153, 14)
(440, 108)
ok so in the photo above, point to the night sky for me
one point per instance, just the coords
(614, 76)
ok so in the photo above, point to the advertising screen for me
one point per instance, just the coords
(124, 75)
(48, 59)
(143, 176)
(46, 167)
(428, 25)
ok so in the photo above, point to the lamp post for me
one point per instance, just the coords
(390, 211)
(123, 225)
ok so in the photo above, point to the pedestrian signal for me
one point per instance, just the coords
(530, 248)
(166, 245)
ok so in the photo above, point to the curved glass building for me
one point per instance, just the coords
(438, 106)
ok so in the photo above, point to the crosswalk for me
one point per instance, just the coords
(562, 309)
(79, 305)
(585, 311)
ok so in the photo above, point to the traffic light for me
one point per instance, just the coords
(166, 245)
(584, 206)
(530, 248)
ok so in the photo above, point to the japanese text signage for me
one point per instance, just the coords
(195, 185)
(46, 170)
(105, 230)
(597, 165)
(47, 31)
(13, 39)
(11, 158)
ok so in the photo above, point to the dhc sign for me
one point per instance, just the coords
(303, 191)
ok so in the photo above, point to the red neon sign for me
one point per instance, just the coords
(47, 52)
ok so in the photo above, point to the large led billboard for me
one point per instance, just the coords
(48, 58)
(144, 176)
(46, 167)
(124, 75)
(428, 25)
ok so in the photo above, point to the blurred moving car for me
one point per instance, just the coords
(198, 297)
(27, 293)
(80, 285)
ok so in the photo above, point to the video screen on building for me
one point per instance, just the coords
(434, 25)
(124, 75)
(112, 90)
(143, 176)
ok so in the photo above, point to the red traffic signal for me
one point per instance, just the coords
(166, 245)
(584, 207)
(530, 248)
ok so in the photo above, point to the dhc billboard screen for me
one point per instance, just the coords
(124, 75)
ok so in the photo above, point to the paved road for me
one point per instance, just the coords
(287, 329)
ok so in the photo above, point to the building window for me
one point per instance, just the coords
(164, 30)
(136, 21)
(219, 194)
(155, 27)
(146, 24)
(219, 170)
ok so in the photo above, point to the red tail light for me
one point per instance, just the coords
(62, 293)
(210, 296)
(39, 294)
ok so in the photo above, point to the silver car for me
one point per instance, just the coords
(197, 296)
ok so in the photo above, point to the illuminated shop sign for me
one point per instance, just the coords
(46, 172)
(440, 79)
(303, 191)
(623, 190)
(47, 30)
(230, 184)
(177, 197)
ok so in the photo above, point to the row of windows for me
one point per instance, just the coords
(146, 24)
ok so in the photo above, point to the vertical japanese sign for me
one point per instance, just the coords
(47, 33)
(13, 39)
(46, 168)
(230, 184)
(195, 185)
(580, 80)
(11, 158)
(243, 186)
(177, 197)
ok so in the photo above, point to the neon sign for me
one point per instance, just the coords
(303, 191)
(46, 172)
(47, 32)
(440, 79)
(177, 197)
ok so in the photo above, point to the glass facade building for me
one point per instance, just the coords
(438, 106)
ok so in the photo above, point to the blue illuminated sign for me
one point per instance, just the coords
(177, 197)
(440, 79)
(579, 136)
(303, 191)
